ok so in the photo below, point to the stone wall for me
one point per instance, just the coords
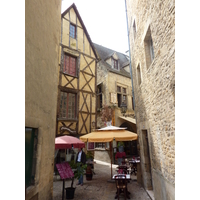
(155, 96)
(42, 38)
(110, 81)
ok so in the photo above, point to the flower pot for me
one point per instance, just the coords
(89, 173)
(70, 192)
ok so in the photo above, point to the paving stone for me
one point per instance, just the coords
(100, 187)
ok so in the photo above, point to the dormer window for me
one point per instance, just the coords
(115, 63)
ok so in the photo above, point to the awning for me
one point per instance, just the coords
(109, 136)
(128, 119)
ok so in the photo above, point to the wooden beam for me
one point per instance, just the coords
(70, 22)
(70, 90)
(64, 46)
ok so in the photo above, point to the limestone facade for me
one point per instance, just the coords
(152, 47)
(113, 87)
(110, 80)
(42, 39)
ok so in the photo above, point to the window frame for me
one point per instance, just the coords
(99, 96)
(115, 63)
(148, 48)
(65, 115)
(67, 69)
(121, 92)
(134, 30)
(72, 33)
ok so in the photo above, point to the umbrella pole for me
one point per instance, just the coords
(111, 157)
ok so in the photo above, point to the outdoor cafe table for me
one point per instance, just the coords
(128, 177)
(133, 163)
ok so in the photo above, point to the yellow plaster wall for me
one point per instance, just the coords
(80, 39)
(65, 81)
(72, 16)
(42, 38)
(87, 45)
(65, 33)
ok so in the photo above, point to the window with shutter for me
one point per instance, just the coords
(69, 65)
(121, 95)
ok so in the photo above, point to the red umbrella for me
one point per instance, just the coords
(66, 142)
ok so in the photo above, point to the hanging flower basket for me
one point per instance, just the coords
(107, 114)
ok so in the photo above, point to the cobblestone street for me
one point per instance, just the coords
(100, 187)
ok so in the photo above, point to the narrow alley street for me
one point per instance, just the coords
(100, 187)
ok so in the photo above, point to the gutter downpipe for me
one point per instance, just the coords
(130, 59)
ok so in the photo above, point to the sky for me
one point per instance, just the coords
(105, 21)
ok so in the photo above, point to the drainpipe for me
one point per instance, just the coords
(130, 58)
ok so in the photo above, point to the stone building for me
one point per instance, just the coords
(42, 39)
(113, 88)
(151, 27)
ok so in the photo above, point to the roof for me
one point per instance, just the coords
(105, 53)
(82, 24)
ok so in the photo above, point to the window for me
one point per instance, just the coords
(124, 90)
(103, 145)
(134, 30)
(115, 63)
(139, 74)
(151, 49)
(124, 98)
(69, 66)
(121, 96)
(118, 89)
(72, 31)
(148, 46)
(99, 96)
(30, 155)
(68, 105)
(100, 145)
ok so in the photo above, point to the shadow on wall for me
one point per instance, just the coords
(156, 171)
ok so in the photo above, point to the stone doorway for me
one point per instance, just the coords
(147, 162)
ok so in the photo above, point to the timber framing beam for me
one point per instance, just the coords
(79, 52)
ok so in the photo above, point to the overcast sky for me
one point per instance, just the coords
(105, 21)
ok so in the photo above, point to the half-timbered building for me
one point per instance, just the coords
(76, 103)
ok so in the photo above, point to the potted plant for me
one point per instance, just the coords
(90, 166)
(79, 170)
(90, 156)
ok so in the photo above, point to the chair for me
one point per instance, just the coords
(122, 169)
(121, 184)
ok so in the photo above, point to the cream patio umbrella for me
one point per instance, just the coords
(108, 134)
